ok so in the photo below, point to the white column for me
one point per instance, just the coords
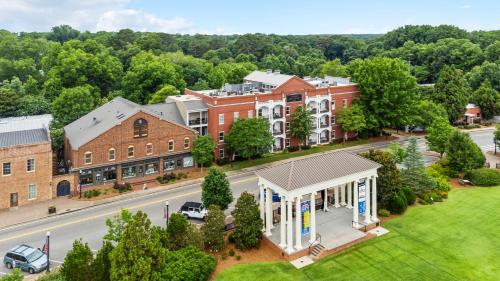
(289, 231)
(261, 206)
(367, 200)
(269, 211)
(355, 211)
(325, 202)
(349, 195)
(313, 218)
(342, 194)
(337, 197)
(283, 223)
(298, 225)
(374, 199)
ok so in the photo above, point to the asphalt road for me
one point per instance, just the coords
(89, 224)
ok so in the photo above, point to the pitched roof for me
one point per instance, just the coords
(13, 138)
(169, 110)
(269, 78)
(22, 123)
(312, 170)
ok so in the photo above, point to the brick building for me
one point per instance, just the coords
(275, 96)
(472, 114)
(125, 142)
(26, 160)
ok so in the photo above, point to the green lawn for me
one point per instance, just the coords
(455, 240)
(273, 157)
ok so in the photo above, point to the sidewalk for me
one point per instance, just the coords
(36, 211)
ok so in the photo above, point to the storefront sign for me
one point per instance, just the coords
(362, 197)
(306, 217)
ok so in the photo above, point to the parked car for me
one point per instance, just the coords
(26, 258)
(193, 210)
(276, 196)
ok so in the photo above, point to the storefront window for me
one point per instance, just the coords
(152, 167)
(168, 164)
(109, 173)
(86, 177)
(128, 171)
(188, 161)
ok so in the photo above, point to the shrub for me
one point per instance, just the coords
(426, 199)
(77, 265)
(436, 196)
(397, 203)
(188, 264)
(483, 177)
(168, 177)
(213, 229)
(231, 252)
(221, 162)
(15, 275)
(305, 147)
(238, 258)
(224, 256)
(409, 195)
(442, 185)
(384, 213)
(247, 221)
(293, 148)
(122, 187)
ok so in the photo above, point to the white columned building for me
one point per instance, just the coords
(303, 189)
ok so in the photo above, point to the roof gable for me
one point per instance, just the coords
(295, 83)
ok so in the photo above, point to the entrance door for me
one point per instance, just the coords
(13, 200)
(63, 188)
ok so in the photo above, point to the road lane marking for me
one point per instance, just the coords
(43, 230)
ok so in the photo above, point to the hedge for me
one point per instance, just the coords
(483, 177)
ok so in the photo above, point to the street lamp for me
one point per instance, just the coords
(48, 251)
(166, 212)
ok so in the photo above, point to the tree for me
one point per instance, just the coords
(33, 105)
(462, 154)
(101, 265)
(247, 221)
(397, 151)
(452, 92)
(117, 225)
(203, 151)
(177, 232)
(492, 52)
(414, 174)
(387, 91)
(15, 275)
(77, 264)
(213, 229)
(63, 33)
(352, 120)
(139, 254)
(188, 264)
(74, 103)
(426, 111)
(488, 71)
(301, 124)
(216, 78)
(437, 135)
(496, 137)
(250, 137)
(161, 95)
(215, 189)
(487, 99)
(333, 68)
(9, 102)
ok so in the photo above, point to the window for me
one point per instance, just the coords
(333, 120)
(87, 158)
(6, 170)
(221, 153)
(287, 110)
(149, 149)
(333, 104)
(31, 191)
(30, 165)
(109, 173)
(152, 167)
(333, 134)
(221, 119)
(344, 103)
(171, 145)
(236, 115)
(221, 136)
(186, 143)
(250, 114)
(140, 128)
(129, 172)
(294, 97)
(287, 126)
(111, 154)
(130, 151)
(168, 164)
(287, 142)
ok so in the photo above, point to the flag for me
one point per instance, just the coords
(45, 248)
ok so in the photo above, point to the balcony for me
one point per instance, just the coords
(277, 132)
(313, 110)
(263, 112)
(278, 111)
(323, 106)
(277, 115)
(198, 121)
(324, 139)
(324, 125)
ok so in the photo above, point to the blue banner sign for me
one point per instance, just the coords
(306, 217)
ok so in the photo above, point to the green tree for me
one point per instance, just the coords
(74, 103)
(162, 94)
(496, 137)
(216, 78)
(203, 151)
(101, 265)
(9, 102)
(15, 275)
(352, 119)
(33, 105)
(247, 221)
(437, 135)
(215, 189)
(426, 111)
(492, 52)
(301, 124)
(333, 68)
(452, 92)
(250, 137)
(213, 229)
(117, 225)
(397, 151)
(177, 231)
(487, 99)
(462, 154)
(188, 264)
(77, 264)
(488, 71)
(63, 33)
(414, 174)
(388, 91)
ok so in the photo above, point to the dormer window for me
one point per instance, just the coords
(140, 128)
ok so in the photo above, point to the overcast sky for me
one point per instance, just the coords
(230, 17)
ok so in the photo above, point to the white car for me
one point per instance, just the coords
(193, 210)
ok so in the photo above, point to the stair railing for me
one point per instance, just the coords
(311, 246)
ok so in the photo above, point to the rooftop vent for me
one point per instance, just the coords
(120, 116)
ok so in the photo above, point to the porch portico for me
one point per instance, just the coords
(335, 195)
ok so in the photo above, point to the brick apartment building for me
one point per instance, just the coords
(275, 96)
(125, 142)
(26, 160)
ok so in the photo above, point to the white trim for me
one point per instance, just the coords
(34, 165)
(128, 151)
(147, 147)
(173, 145)
(188, 143)
(85, 158)
(114, 154)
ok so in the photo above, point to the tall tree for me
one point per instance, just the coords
(247, 221)
(9, 102)
(77, 264)
(333, 68)
(352, 119)
(437, 135)
(215, 189)
(203, 151)
(117, 225)
(74, 103)
(426, 111)
(452, 92)
(250, 137)
(414, 174)
(487, 99)
(301, 124)
(63, 33)
(101, 265)
(161, 95)
(213, 229)
(462, 154)
(177, 231)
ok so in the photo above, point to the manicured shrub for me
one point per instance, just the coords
(122, 187)
(398, 203)
(224, 256)
(409, 195)
(293, 148)
(231, 252)
(188, 264)
(305, 147)
(483, 177)
(426, 199)
(384, 213)
(436, 196)
(238, 258)
(442, 185)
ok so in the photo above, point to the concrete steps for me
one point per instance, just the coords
(316, 251)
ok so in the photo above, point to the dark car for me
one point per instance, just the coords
(26, 258)
(193, 210)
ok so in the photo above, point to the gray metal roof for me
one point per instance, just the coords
(194, 105)
(313, 170)
(26, 137)
(168, 110)
(22, 123)
(269, 78)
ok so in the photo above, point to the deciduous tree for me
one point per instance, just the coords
(438, 134)
(215, 189)
(487, 99)
(203, 151)
(462, 154)
(352, 119)
(452, 92)
(301, 124)
(213, 229)
(249, 137)
(77, 264)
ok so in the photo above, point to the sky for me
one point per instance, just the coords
(238, 17)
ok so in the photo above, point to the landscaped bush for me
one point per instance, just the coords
(409, 195)
(293, 148)
(384, 213)
(397, 203)
(122, 187)
(231, 252)
(442, 185)
(91, 193)
(483, 177)
(188, 264)
(436, 196)
(169, 177)
(467, 127)
(305, 147)
(221, 162)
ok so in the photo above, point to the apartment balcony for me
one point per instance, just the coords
(277, 132)
(313, 110)
(277, 115)
(324, 125)
(198, 121)
(324, 139)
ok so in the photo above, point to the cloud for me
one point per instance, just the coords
(92, 15)
(466, 6)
